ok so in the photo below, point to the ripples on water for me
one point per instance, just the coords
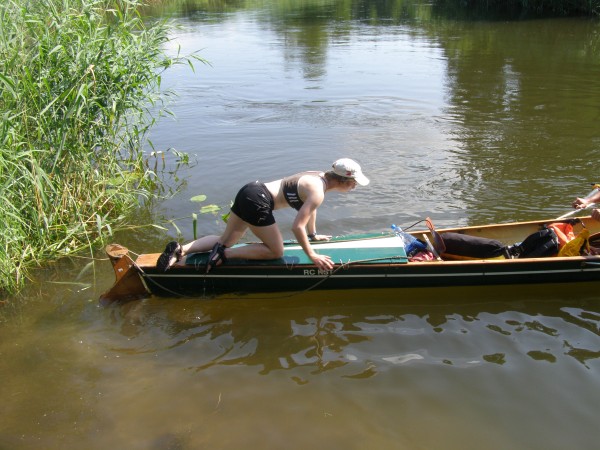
(465, 122)
(322, 329)
(438, 368)
(445, 128)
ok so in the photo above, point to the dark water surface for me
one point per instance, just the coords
(466, 122)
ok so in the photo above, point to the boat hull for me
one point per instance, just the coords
(189, 282)
(373, 262)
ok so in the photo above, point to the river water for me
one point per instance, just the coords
(465, 121)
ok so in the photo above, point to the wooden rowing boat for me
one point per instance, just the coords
(368, 261)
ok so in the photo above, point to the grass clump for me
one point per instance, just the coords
(79, 90)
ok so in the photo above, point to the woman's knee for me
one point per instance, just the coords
(275, 248)
(277, 252)
(271, 238)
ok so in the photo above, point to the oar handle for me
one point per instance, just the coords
(575, 211)
(592, 193)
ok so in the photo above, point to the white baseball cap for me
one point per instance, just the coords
(349, 168)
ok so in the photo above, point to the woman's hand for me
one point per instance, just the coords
(319, 237)
(323, 262)
(580, 203)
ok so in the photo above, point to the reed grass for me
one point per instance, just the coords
(79, 90)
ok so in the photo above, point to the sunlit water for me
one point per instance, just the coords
(465, 122)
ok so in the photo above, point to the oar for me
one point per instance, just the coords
(593, 192)
(572, 213)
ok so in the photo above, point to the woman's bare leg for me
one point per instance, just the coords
(202, 244)
(270, 248)
(234, 231)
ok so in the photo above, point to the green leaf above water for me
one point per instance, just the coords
(209, 209)
(198, 198)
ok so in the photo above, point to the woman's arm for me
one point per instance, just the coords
(306, 220)
(311, 229)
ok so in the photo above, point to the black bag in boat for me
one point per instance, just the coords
(472, 246)
(537, 245)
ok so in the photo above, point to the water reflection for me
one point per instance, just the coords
(464, 112)
(509, 98)
(162, 372)
(359, 338)
(468, 122)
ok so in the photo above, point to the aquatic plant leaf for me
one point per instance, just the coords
(209, 209)
(198, 198)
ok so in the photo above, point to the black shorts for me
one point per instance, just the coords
(254, 204)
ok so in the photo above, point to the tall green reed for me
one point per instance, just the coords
(79, 90)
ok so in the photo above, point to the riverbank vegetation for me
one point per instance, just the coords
(79, 90)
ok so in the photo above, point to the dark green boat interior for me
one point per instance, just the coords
(296, 256)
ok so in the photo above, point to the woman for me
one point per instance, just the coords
(253, 209)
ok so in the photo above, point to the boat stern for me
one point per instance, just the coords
(129, 284)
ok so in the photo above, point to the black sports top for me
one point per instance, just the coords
(290, 189)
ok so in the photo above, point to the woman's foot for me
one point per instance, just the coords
(170, 256)
(216, 257)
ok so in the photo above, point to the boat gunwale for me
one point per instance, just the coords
(143, 260)
(181, 279)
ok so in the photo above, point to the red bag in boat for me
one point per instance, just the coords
(564, 232)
